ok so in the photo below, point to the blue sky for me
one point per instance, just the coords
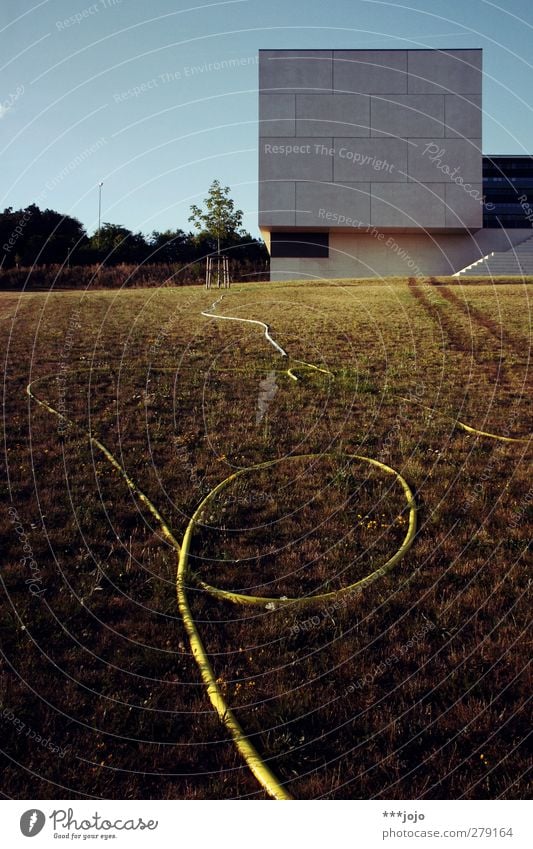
(143, 96)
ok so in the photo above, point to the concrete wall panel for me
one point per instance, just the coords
(331, 205)
(412, 121)
(445, 160)
(292, 71)
(407, 205)
(277, 204)
(370, 71)
(365, 160)
(334, 115)
(277, 115)
(463, 115)
(296, 159)
(408, 115)
(464, 206)
(444, 71)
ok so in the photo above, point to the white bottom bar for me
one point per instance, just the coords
(267, 825)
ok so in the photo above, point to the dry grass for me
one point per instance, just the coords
(397, 693)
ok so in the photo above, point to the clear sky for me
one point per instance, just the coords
(141, 95)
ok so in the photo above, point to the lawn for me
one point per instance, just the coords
(414, 687)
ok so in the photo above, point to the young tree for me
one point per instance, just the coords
(219, 219)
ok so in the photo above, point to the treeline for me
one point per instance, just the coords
(44, 277)
(54, 245)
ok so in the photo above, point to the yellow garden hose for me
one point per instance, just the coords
(268, 337)
(469, 429)
(255, 762)
(307, 365)
(109, 456)
(463, 426)
(253, 759)
(459, 424)
(241, 598)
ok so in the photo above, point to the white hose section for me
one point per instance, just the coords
(247, 321)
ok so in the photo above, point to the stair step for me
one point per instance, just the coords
(514, 260)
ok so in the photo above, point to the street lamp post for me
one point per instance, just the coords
(218, 252)
(99, 211)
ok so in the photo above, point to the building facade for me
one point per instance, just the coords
(508, 191)
(370, 163)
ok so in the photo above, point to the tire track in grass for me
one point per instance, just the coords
(461, 344)
(256, 763)
(483, 320)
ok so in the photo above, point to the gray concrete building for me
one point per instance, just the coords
(370, 163)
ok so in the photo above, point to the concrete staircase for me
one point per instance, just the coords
(517, 260)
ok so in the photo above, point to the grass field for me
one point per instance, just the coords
(416, 687)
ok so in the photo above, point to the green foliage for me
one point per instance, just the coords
(32, 235)
(35, 238)
(119, 244)
(219, 218)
